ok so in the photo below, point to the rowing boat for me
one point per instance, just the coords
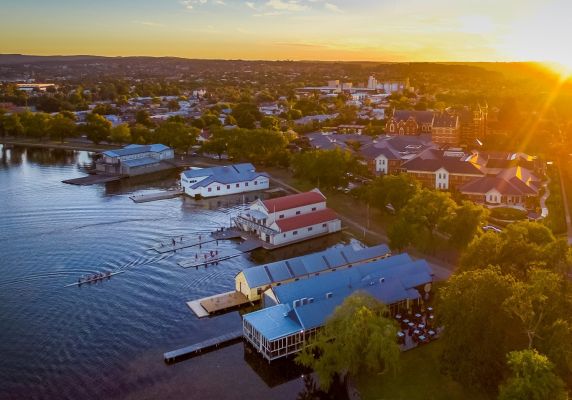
(95, 279)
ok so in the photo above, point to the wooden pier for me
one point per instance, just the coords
(168, 246)
(217, 303)
(93, 180)
(201, 261)
(145, 198)
(202, 347)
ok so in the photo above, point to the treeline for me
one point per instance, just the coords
(507, 315)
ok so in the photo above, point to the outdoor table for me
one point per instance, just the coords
(429, 309)
(417, 331)
(417, 315)
(397, 316)
(431, 317)
(431, 333)
(421, 326)
(405, 321)
(422, 338)
(400, 334)
(411, 324)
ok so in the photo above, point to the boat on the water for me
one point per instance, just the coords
(93, 278)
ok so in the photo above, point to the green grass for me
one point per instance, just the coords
(507, 213)
(418, 379)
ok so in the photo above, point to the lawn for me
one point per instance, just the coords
(419, 378)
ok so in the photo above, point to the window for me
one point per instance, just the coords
(313, 208)
(246, 184)
(218, 188)
(281, 216)
(295, 233)
(284, 235)
(256, 182)
(310, 229)
(324, 225)
(238, 185)
(297, 212)
(228, 186)
(210, 189)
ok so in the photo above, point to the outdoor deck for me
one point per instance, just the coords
(207, 345)
(93, 180)
(145, 198)
(217, 303)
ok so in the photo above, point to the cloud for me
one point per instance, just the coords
(332, 7)
(190, 4)
(149, 23)
(288, 5)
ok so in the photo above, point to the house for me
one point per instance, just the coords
(446, 129)
(515, 186)
(385, 155)
(353, 129)
(252, 282)
(442, 169)
(295, 311)
(224, 180)
(135, 159)
(407, 122)
(289, 219)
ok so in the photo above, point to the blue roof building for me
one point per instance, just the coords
(296, 310)
(252, 282)
(136, 159)
(223, 180)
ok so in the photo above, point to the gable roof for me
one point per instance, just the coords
(294, 200)
(224, 175)
(309, 219)
(303, 265)
(453, 165)
(136, 149)
(421, 117)
(445, 120)
(487, 183)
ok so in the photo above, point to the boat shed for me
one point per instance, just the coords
(302, 307)
(252, 282)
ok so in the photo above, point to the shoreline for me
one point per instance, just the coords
(57, 145)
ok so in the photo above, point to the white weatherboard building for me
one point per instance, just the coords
(221, 181)
(289, 219)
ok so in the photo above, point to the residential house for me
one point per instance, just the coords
(386, 154)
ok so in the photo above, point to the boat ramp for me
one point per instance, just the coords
(202, 347)
(218, 303)
(93, 179)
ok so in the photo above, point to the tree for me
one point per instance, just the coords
(400, 235)
(141, 134)
(120, 134)
(327, 168)
(173, 105)
(35, 124)
(176, 134)
(532, 378)
(96, 128)
(12, 125)
(217, 143)
(519, 247)
(465, 223)
(359, 336)
(61, 126)
(424, 212)
(477, 329)
(269, 122)
(142, 117)
(396, 190)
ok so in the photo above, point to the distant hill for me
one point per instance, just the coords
(12, 59)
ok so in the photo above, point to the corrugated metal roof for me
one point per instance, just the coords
(305, 220)
(294, 201)
(400, 277)
(312, 263)
(139, 162)
(136, 149)
(224, 175)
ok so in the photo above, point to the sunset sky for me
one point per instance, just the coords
(382, 30)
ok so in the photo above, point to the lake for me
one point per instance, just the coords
(106, 340)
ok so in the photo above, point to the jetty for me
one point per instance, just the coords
(93, 179)
(94, 280)
(217, 303)
(168, 246)
(145, 198)
(201, 261)
(202, 347)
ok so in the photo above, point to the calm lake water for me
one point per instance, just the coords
(106, 340)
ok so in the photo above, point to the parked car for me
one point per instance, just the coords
(493, 228)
